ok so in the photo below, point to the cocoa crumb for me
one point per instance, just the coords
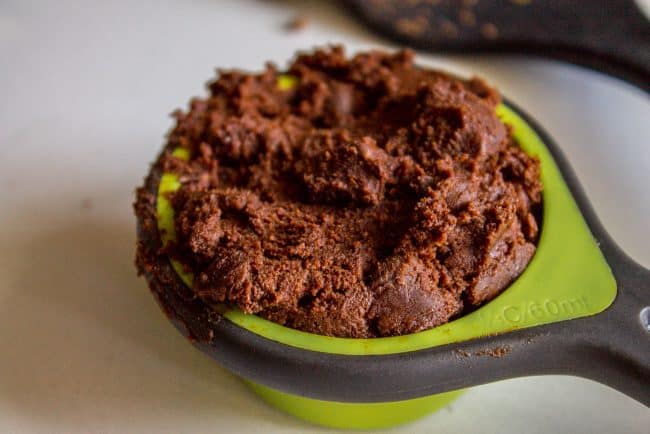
(412, 26)
(448, 29)
(86, 204)
(489, 31)
(297, 24)
(496, 352)
(466, 18)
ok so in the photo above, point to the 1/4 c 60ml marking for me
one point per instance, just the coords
(541, 309)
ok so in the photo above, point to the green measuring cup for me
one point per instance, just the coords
(579, 308)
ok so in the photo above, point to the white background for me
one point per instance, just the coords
(85, 93)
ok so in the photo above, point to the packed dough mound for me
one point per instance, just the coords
(354, 197)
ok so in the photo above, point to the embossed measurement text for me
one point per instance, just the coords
(539, 310)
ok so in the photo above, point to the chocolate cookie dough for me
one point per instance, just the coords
(357, 197)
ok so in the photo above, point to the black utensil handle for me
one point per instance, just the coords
(612, 36)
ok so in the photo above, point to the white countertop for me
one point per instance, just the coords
(86, 90)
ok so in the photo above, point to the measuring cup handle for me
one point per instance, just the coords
(617, 342)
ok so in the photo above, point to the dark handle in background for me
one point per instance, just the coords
(611, 36)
